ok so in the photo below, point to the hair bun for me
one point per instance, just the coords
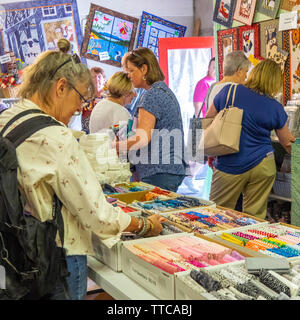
(63, 45)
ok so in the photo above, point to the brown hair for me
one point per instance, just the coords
(142, 56)
(64, 45)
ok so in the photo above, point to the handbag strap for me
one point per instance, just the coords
(233, 95)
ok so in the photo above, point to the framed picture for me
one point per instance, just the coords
(153, 28)
(249, 40)
(289, 4)
(268, 7)
(108, 35)
(227, 42)
(291, 44)
(223, 12)
(31, 27)
(244, 11)
(269, 37)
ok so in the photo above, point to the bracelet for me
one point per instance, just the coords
(145, 225)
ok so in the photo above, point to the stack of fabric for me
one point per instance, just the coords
(104, 159)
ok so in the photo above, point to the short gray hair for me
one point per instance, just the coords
(234, 61)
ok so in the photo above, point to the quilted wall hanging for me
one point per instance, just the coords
(227, 42)
(152, 28)
(108, 35)
(291, 44)
(31, 27)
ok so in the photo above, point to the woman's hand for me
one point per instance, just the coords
(155, 225)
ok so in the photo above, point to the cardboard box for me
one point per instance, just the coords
(199, 209)
(110, 256)
(251, 253)
(130, 197)
(206, 203)
(185, 292)
(158, 282)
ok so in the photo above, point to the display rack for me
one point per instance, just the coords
(116, 284)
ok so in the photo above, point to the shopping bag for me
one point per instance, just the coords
(221, 134)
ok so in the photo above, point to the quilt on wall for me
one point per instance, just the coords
(29, 28)
(152, 28)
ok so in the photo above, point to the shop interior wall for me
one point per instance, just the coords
(257, 18)
(180, 12)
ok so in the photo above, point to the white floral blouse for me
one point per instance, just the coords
(51, 160)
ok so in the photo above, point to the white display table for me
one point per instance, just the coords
(116, 284)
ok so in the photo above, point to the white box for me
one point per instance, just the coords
(217, 237)
(158, 282)
(110, 256)
(185, 292)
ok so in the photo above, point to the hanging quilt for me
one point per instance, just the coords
(108, 35)
(152, 28)
(31, 27)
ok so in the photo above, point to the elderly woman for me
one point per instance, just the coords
(236, 66)
(111, 110)
(51, 162)
(252, 170)
(157, 147)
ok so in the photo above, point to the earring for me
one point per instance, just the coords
(144, 78)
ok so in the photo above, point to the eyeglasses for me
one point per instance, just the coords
(74, 58)
(85, 102)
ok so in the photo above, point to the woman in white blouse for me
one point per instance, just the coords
(111, 110)
(51, 161)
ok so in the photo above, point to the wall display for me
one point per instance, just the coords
(30, 27)
(289, 4)
(244, 11)
(249, 40)
(152, 28)
(223, 12)
(270, 37)
(108, 35)
(227, 42)
(291, 44)
(268, 7)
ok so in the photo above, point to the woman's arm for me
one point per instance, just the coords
(145, 125)
(212, 112)
(285, 138)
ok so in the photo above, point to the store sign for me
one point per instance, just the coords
(288, 20)
(5, 58)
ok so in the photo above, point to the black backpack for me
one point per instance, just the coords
(33, 263)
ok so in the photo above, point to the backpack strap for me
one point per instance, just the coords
(29, 127)
(18, 116)
(23, 131)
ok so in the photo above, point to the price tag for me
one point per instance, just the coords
(104, 56)
(5, 58)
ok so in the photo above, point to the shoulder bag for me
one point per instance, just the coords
(221, 134)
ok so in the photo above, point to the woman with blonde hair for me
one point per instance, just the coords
(157, 148)
(252, 170)
(51, 162)
(111, 110)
